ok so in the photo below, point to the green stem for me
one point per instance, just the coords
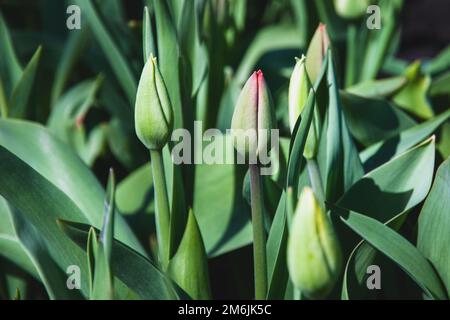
(259, 237)
(162, 215)
(315, 179)
(351, 55)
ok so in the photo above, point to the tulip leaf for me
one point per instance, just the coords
(116, 58)
(413, 97)
(21, 94)
(72, 52)
(23, 245)
(131, 268)
(300, 133)
(383, 151)
(10, 69)
(397, 248)
(189, 265)
(380, 88)
(276, 252)
(434, 220)
(394, 187)
(339, 160)
(372, 120)
(223, 218)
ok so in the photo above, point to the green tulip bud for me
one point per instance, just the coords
(252, 118)
(316, 52)
(153, 110)
(351, 9)
(299, 88)
(313, 253)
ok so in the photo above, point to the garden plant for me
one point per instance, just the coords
(211, 149)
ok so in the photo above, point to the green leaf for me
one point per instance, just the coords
(21, 94)
(168, 56)
(383, 151)
(394, 187)
(44, 188)
(439, 63)
(189, 265)
(10, 69)
(413, 97)
(220, 210)
(117, 60)
(298, 143)
(341, 165)
(379, 88)
(434, 223)
(276, 253)
(22, 244)
(372, 120)
(131, 268)
(72, 51)
(441, 85)
(148, 38)
(397, 248)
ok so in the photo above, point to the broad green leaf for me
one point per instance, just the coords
(394, 187)
(21, 94)
(117, 60)
(131, 268)
(397, 248)
(276, 253)
(33, 255)
(341, 165)
(434, 223)
(383, 151)
(379, 88)
(372, 120)
(363, 255)
(189, 265)
(220, 210)
(134, 194)
(413, 97)
(47, 187)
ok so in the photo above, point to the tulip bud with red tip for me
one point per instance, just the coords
(252, 118)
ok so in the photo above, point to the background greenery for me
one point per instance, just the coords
(67, 100)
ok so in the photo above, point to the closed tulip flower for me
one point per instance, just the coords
(252, 118)
(299, 89)
(314, 254)
(316, 52)
(351, 9)
(153, 110)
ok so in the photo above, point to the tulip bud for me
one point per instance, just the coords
(153, 110)
(313, 253)
(351, 9)
(316, 52)
(299, 88)
(252, 118)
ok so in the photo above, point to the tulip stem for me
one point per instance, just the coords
(315, 179)
(351, 55)
(162, 214)
(259, 237)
